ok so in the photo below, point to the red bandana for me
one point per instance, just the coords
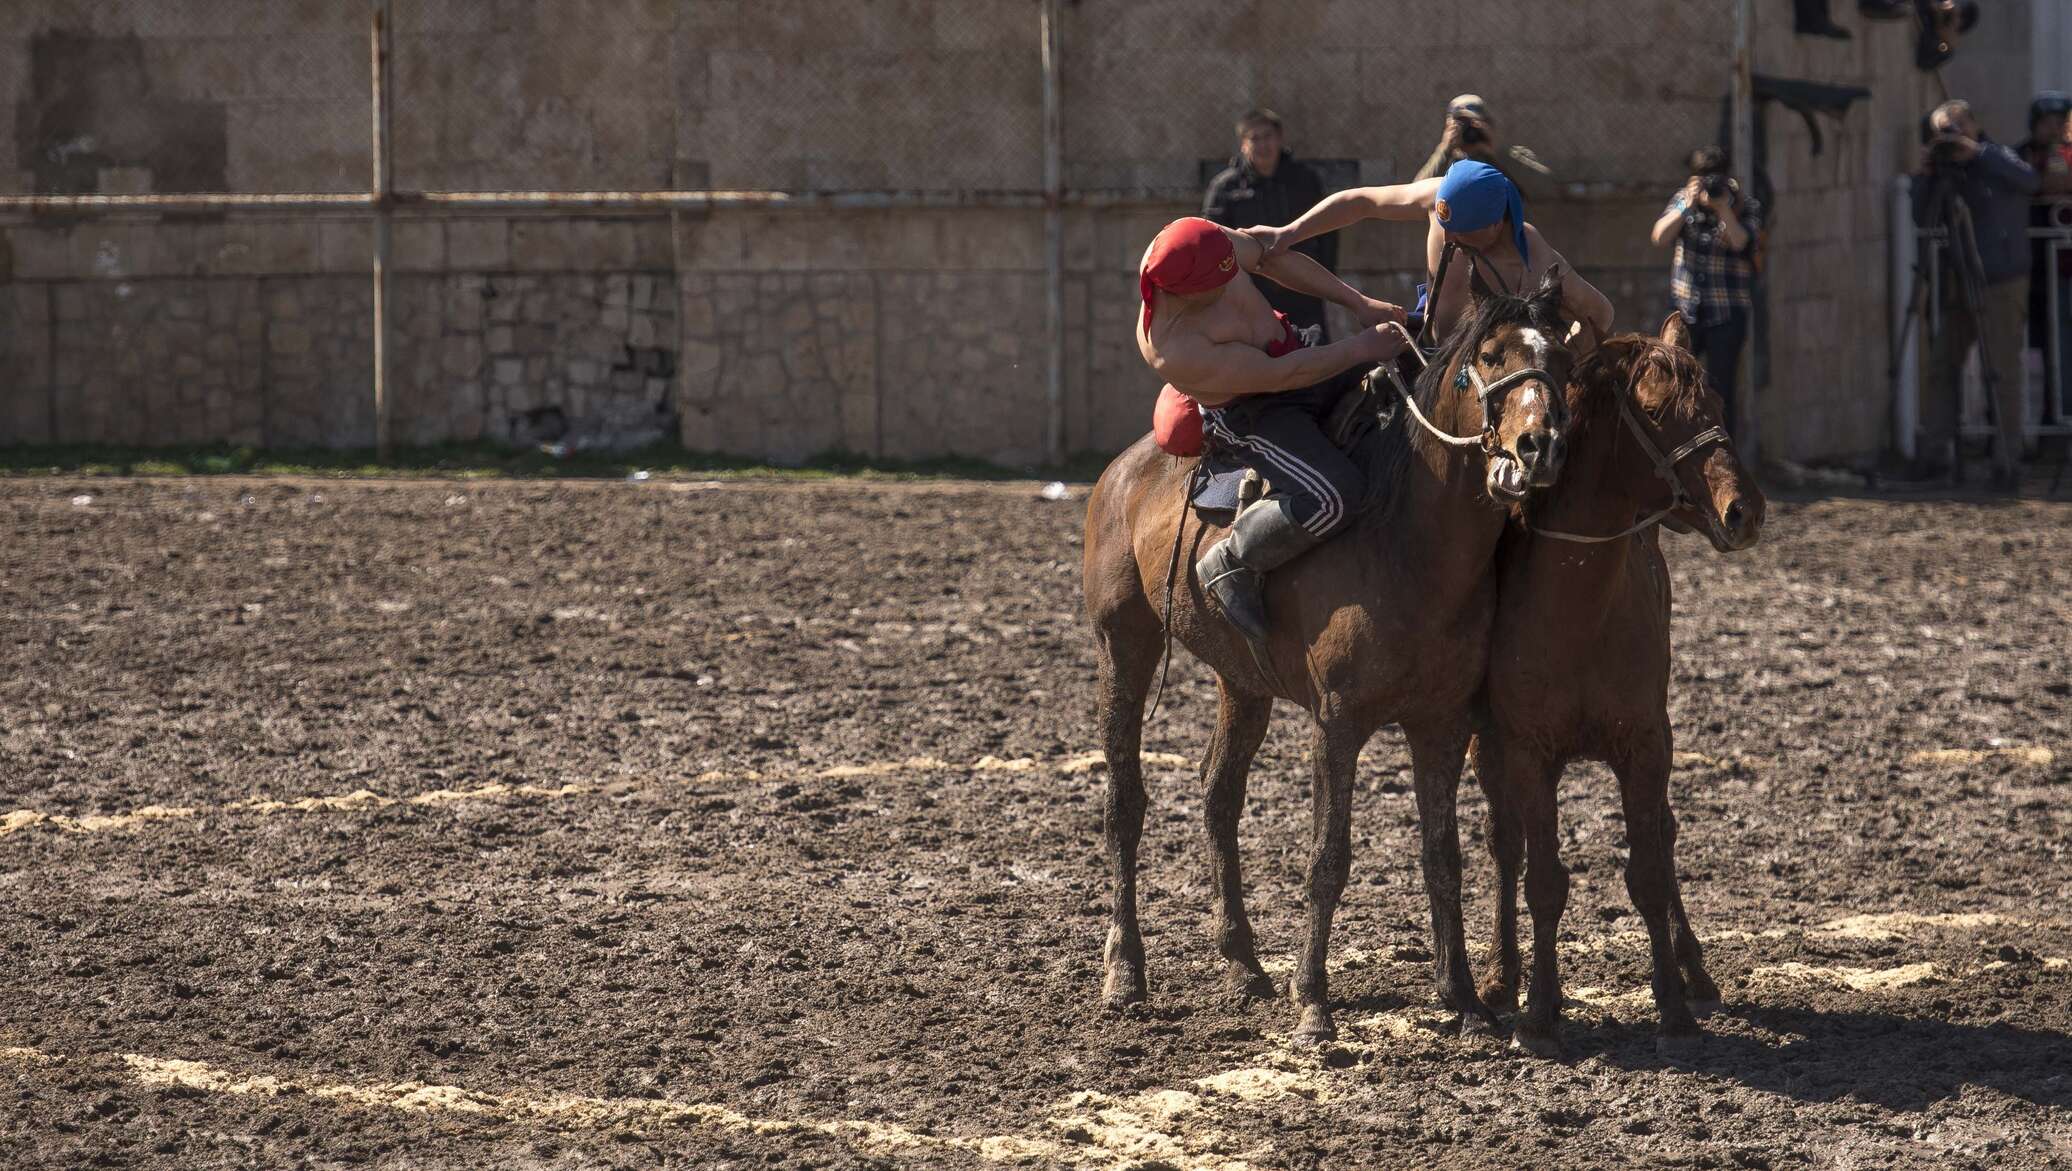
(1190, 256)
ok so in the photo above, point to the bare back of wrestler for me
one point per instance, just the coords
(1207, 329)
(1225, 342)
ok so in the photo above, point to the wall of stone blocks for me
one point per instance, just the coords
(877, 332)
(261, 332)
(1829, 273)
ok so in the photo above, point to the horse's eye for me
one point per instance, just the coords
(1492, 357)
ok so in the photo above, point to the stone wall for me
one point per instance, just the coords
(1829, 268)
(899, 334)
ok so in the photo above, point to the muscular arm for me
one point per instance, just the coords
(1402, 201)
(1217, 373)
(1294, 271)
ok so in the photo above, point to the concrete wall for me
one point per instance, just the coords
(887, 333)
(1829, 265)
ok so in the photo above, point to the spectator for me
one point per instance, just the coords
(1264, 184)
(2047, 151)
(1714, 225)
(1995, 184)
(1470, 133)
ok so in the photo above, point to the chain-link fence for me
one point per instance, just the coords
(534, 148)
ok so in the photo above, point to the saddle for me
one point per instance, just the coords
(1223, 484)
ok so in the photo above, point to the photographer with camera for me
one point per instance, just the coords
(1977, 191)
(1470, 133)
(1714, 225)
(2049, 151)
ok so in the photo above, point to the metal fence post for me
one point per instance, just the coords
(383, 188)
(1906, 372)
(1053, 240)
(1742, 149)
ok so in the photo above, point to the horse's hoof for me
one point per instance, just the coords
(1125, 987)
(1246, 984)
(1680, 1045)
(1316, 1027)
(1704, 1008)
(1500, 997)
(1545, 1044)
(1478, 1024)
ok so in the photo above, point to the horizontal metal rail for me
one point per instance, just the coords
(404, 202)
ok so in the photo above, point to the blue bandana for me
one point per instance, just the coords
(1475, 195)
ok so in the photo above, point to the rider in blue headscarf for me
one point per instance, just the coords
(1474, 196)
(1477, 220)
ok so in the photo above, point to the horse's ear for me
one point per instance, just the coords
(1548, 295)
(1676, 331)
(1477, 287)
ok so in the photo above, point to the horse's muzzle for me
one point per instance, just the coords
(1540, 456)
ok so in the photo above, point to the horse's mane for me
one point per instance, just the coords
(1614, 367)
(1484, 316)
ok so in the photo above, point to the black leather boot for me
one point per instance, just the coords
(1234, 570)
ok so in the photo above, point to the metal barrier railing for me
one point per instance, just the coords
(1912, 246)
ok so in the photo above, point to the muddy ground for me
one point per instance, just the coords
(458, 825)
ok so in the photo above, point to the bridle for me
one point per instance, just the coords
(1489, 394)
(1665, 467)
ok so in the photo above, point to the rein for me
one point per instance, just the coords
(1665, 467)
(1485, 393)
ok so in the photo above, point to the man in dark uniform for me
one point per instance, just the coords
(1264, 184)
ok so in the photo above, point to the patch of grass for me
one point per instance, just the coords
(483, 461)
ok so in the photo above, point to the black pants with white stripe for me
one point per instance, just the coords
(1282, 435)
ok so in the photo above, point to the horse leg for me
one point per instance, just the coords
(1435, 760)
(1128, 640)
(1532, 781)
(1334, 753)
(1651, 876)
(1499, 988)
(1241, 721)
(1699, 989)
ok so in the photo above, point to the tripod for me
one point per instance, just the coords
(1951, 216)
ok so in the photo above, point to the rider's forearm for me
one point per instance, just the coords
(1294, 271)
(1305, 368)
(1334, 212)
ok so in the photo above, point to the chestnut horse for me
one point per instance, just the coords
(1580, 660)
(1387, 623)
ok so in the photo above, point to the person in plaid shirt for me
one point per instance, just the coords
(1714, 226)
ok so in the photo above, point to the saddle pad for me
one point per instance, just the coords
(1215, 497)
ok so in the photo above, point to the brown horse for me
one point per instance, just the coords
(1580, 660)
(1388, 623)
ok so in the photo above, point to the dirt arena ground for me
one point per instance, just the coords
(461, 825)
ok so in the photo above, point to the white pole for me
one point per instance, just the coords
(1053, 241)
(382, 187)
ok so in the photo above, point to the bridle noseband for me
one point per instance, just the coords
(1489, 394)
(1665, 467)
